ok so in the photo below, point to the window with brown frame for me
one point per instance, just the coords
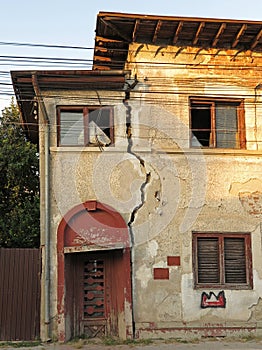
(85, 126)
(217, 123)
(222, 260)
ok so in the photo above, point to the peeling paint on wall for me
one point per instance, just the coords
(256, 310)
(251, 185)
(252, 202)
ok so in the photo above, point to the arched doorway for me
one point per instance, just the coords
(94, 282)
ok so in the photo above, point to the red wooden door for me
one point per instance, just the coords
(92, 293)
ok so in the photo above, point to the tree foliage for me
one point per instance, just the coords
(19, 184)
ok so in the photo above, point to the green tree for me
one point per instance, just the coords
(19, 184)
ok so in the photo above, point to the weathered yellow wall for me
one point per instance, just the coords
(171, 189)
(206, 190)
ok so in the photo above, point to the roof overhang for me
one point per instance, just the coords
(58, 80)
(115, 31)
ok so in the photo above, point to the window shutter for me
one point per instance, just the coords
(235, 260)
(226, 126)
(208, 260)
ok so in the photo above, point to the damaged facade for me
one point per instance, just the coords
(151, 187)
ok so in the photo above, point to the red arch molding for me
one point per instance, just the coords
(95, 226)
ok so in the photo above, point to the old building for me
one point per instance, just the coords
(151, 185)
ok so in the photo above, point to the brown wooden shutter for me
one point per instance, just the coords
(235, 260)
(226, 126)
(208, 260)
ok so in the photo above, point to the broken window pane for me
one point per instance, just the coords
(85, 126)
(216, 124)
(201, 124)
(99, 126)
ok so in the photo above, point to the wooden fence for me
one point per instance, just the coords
(20, 271)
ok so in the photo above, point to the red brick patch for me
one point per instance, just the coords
(173, 260)
(161, 273)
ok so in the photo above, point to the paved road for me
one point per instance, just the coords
(159, 345)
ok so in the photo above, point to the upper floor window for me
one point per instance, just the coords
(222, 260)
(85, 126)
(217, 123)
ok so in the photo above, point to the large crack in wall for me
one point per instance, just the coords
(142, 194)
(142, 165)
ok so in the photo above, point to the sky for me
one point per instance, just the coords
(72, 23)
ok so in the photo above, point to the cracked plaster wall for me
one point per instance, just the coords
(157, 224)
(230, 196)
(186, 191)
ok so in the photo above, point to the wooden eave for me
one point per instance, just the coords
(59, 80)
(115, 31)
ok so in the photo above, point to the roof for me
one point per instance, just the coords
(115, 31)
(25, 84)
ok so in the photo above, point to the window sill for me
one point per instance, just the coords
(223, 286)
(168, 150)
(110, 149)
(214, 151)
(76, 149)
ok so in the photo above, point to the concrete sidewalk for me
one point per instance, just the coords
(203, 345)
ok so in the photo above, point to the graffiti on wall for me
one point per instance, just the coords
(213, 300)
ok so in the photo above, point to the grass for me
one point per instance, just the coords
(20, 344)
(78, 343)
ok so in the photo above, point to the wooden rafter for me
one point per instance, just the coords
(219, 33)
(257, 39)
(115, 29)
(200, 27)
(100, 40)
(178, 30)
(102, 58)
(136, 26)
(239, 34)
(157, 29)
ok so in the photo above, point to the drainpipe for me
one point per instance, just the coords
(258, 87)
(47, 203)
(128, 89)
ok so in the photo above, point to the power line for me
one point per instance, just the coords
(11, 60)
(38, 58)
(218, 53)
(5, 43)
(164, 83)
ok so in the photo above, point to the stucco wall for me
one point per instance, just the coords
(165, 190)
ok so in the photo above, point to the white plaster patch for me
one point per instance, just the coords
(161, 264)
(144, 275)
(152, 248)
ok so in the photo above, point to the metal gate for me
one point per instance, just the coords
(19, 294)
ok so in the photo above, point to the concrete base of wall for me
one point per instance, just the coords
(179, 331)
